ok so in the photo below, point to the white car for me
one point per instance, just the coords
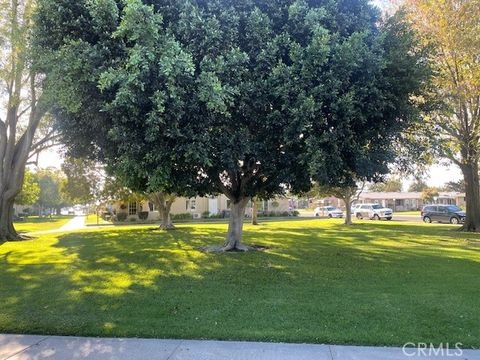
(373, 212)
(330, 211)
(354, 208)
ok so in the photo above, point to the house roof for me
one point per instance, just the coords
(406, 195)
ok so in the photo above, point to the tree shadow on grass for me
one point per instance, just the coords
(374, 285)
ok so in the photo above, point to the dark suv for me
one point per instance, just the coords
(443, 213)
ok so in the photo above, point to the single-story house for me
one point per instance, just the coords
(197, 207)
(408, 201)
(398, 201)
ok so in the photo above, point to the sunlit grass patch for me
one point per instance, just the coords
(35, 223)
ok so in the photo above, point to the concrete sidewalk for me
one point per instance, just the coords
(77, 223)
(20, 347)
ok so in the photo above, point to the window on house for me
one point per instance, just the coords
(191, 205)
(265, 205)
(152, 207)
(132, 208)
(229, 202)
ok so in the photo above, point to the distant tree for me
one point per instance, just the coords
(451, 28)
(418, 185)
(429, 194)
(30, 190)
(455, 186)
(391, 185)
(50, 198)
(382, 138)
(348, 195)
(83, 180)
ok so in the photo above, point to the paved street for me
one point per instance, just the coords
(19, 347)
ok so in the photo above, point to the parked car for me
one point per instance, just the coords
(373, 212)
(354, 208)
(443, 213)
(330, 211)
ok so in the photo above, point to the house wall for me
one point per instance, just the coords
(199, 205)
(19, 209)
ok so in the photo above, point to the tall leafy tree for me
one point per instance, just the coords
(24, 128)
(84, 180)
(367, 121)
(51, 182)
(451, 28)
(244, 98)
(418, 185)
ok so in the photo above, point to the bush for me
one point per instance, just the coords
(295, 213)
(205, 214)
(275, 214)
(143, 215)
(216, 216)
(132, 219)
(184, 216)
(122, 216)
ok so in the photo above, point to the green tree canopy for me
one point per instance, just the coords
(429, 194)
(456, 186)
(30, 190)
(451, 28)
(418, 185)
(390, 185)
(51, 182)
(83, 180)
(244, 98)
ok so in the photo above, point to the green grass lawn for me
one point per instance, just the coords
(93, 220)
(417, 213)
(35, 223)
(381, 283)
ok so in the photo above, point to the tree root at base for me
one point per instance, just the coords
(229, 249)
(167, 227)
(15, 238)
(470, 229)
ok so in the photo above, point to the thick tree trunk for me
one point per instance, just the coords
(235, 227)
(472, 187)
(348, 209)
(7, 230)
(166, 223)
(254, 212)
(164, 204)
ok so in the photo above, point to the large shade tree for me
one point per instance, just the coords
(24, 129)
(451, 28)
(367, 121)
(232, 97)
